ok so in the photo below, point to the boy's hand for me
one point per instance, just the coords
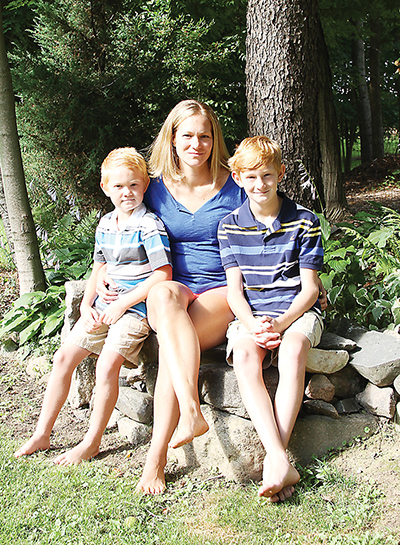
(265, 333)
(113, 312)
(90, 319)
(106, 288)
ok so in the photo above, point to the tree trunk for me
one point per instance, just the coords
(363, 103)
(6, 219)
(335, 199)
(282, 85)
(29, 266)
(378, 149)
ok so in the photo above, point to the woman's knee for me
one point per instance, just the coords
(165, 298)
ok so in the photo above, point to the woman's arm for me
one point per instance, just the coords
(117, 308)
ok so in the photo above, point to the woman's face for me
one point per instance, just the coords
(193, 141)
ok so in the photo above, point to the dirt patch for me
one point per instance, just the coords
(379, 182)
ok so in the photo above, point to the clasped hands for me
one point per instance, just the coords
(265, 333)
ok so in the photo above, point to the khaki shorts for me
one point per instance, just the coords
(125, 337)
(310, 325)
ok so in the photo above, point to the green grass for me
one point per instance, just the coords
(44, 504)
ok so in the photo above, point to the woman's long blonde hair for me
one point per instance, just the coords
(163, 160)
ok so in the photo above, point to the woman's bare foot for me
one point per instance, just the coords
(153, 477)
(35, 443)
(82, 451)
(189, 428)
(279, 478)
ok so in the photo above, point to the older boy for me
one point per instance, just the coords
(271, 250)
(133, 244)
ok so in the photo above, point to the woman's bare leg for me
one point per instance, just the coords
(180, 352)
(166, 417)
(65, 361)
(210, 315)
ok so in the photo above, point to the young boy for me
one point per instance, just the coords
(133, 244)
(271, 250)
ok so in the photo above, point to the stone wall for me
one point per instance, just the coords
(352, 381)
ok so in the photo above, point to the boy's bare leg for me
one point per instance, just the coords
(292, 362)
(107, 376)
(65, 361)
(247, 360)
(166, 416)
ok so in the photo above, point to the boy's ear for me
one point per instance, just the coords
(237, 179)
(281, 172)
(104, 189)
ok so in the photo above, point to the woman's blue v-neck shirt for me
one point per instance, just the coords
(195, 253)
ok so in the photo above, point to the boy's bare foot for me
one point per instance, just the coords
(279, 478)
(75, 456)
(188, 429)
(31, 446)
(153, 477)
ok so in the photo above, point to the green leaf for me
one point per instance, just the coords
(334, 293)
(29, 332)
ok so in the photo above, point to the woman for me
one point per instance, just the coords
(191, 191)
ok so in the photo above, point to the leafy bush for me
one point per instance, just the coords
(36, 314)
(362, 268)
(66, 245)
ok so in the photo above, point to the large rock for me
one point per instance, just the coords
(134, 404)
(317, 435)
(74, 290)
(318, 406)
(379, 401)
(378, 357)
(347, 382)
(396, 384)
(231, 445)
(330, 341)
(136, 433)
(218, 387)
(82, 383)
(326, 361)
(320, 387)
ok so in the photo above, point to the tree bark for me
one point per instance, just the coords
(378, 149)
(6, 219)
(282, 85)
(29, 266)
(329, 142)
(363, 103)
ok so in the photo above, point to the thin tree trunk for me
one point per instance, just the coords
(6, 219)
(29, 266)
(363, 103)
(375, 89)
(282, 85)
(335, 199)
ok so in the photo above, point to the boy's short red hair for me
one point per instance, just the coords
(123, 157)
(255, 152)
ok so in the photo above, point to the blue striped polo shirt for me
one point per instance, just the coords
(133, 253)
(270, 259)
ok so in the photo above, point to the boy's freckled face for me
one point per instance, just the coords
(125, 188)
(260, 185)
